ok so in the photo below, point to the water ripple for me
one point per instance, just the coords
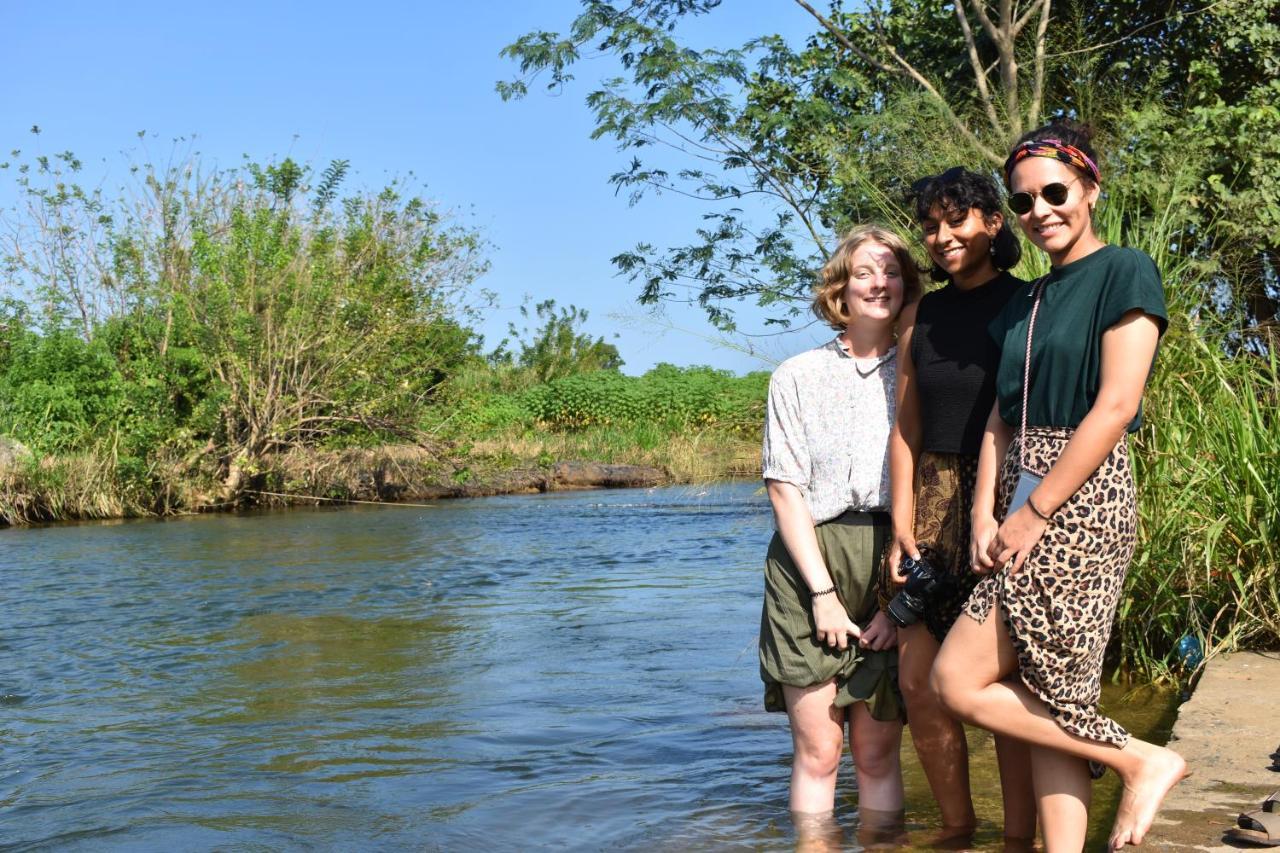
(572, 670)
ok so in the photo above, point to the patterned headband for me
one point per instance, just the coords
(1054, 149)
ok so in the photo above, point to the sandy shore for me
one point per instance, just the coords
(1226, 731)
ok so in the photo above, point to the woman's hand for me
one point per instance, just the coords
(982, 534)
(880, 634)
(903, 544)
(1016, 537)
(834, 627)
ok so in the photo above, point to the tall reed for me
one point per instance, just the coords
(1207, 463)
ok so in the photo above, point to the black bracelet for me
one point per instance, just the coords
(822, 592)
(1036, 509)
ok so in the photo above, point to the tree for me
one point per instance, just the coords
(557, 348)
(308, 318)
(788, 146)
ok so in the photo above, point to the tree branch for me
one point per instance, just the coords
(945, 107)
(1026, 18)
(906, 69)
(844, 40)
(979, 73)
(980, 9)
(1037, 86)
(1134, 33)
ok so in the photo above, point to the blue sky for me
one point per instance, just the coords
(394, 88)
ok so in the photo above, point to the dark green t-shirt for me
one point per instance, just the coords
(1081, 301)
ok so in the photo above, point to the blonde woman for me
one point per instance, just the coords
(826, 650)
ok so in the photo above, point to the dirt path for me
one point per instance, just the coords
(1226, 731)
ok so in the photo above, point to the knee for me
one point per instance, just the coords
(819, 759)
(952, 692)
(878, 758)
(917, 690)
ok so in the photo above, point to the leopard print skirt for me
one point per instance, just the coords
(1059, 608)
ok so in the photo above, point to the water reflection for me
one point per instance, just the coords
(571, 670)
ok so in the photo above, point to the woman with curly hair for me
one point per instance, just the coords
(946, 386)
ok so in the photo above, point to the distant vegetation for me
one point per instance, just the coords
(184, 342)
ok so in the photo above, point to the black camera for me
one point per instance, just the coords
(922, 584)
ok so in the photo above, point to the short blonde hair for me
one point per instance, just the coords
(828, 297)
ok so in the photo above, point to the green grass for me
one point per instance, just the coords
(1207, 465)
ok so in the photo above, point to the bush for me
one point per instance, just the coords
(671, 396)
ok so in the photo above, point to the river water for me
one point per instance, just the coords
(569, 671)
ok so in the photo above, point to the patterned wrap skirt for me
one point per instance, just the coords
(851, 545)
(1059, 608)
(943, 501)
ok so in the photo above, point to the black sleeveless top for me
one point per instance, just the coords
(955, 362)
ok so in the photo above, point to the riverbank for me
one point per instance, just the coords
(1226, 731)
(86, 487)
(406, 474)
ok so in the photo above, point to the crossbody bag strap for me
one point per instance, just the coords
(1026, 374)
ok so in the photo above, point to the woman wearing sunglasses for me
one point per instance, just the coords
(946, 387)
(826, 655)
(1077, 348)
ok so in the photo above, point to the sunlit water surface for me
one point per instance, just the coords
(569, 671)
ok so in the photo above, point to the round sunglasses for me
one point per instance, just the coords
(1055, 194)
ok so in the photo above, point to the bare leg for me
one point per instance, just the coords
(817, 734)
(817, 833)
(876, 747)
(881, 830)
(1016, 788)
(1063, 789)
(972, 675)
(938, 736)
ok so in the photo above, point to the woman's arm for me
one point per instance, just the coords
(904, 450)
(795, 526)
(1128, 348)
(995, 443)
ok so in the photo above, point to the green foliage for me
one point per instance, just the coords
(56, 390)
(484, 401)
(217, 318)
(788, 146)
(674, 397)
(557, 348)
(1208, 463)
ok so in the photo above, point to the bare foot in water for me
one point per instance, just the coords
(1161, 770)
(951, 838)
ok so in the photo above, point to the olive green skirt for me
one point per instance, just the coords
(851, 546)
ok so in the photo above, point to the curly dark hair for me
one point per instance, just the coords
(959, 190)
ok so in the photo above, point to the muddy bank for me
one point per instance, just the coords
(1226, 731)
(406, 474)
(73, 488)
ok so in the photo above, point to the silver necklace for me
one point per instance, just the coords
(873, 368)
(844, 348)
